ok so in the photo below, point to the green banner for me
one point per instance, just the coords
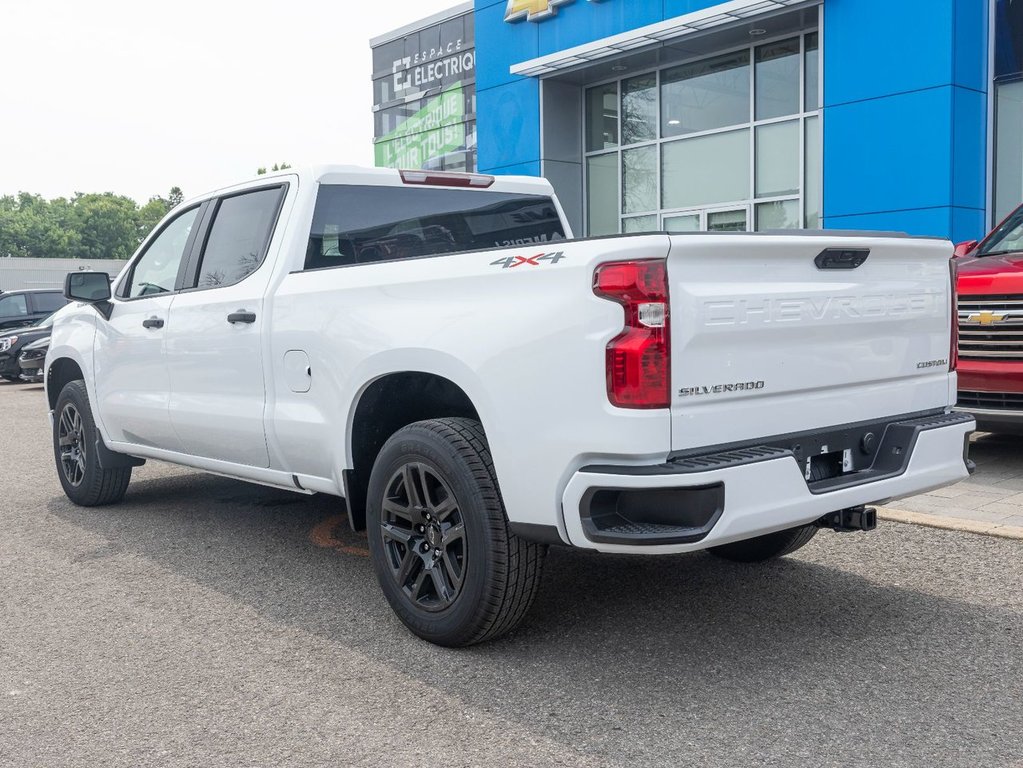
(434, 130)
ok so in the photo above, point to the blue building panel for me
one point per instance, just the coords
(509, 134)
(875, 48)
(499, 45)
(969, 148)
(888, 154)
(969, 45)
(582, 22)
(928, 222)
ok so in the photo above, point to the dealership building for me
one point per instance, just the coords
(687, 115)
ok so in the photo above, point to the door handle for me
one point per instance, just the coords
(153, 322)
(241, 316)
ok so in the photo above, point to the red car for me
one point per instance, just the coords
(991, 327)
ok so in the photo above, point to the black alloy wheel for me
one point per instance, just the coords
(75, 439)
(70, 441)
(424, 536)
(439, 538)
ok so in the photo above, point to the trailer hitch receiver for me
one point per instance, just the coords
(851, 519)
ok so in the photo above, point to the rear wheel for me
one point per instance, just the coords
(74, 449)
(766, 547)
(439, 538)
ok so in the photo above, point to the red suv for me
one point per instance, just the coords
(991, 327)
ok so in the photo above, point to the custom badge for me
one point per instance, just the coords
(533, 10)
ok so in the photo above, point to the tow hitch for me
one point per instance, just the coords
(851, 519)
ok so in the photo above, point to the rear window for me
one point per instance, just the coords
(363, 224)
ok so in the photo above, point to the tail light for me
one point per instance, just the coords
(953, 354)
(639, 358)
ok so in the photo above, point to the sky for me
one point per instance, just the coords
(137, 97)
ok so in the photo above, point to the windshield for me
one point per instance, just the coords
(1008, 236)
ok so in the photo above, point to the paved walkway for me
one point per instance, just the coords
(991, 501)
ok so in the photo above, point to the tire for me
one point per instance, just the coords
(12, 378)
(767, 547)
(78, 469)
(445, 559)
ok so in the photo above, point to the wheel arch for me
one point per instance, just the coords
(59, 373)
(385, 405)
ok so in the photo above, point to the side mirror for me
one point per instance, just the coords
(965, 249)
(90, 287)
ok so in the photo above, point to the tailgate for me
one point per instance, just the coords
(764, 342)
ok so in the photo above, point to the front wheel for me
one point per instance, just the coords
(74, 448)
(767, 547)
(439, 539)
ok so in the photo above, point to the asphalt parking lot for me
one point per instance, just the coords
(209, 622)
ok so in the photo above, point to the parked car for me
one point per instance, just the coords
(33, 359)
(492, 386)
(12, 341)
(20, 309)
(990, 311)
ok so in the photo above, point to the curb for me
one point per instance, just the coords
(950, 523)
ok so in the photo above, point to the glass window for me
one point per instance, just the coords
(639, 109)
(156, 271)
(1007, 237)
(812, 69)
(713, 93)
(727, 221)
(1008, 160)
(48, 302)
(640, 224)
(602, 117)
(639, 180)
(360, 224)
(238, 238)
(13, 306)
(778, 159)
(705, 170)
(777, 79)
(689, 222)
(602, 194)
(779, 214)
(812, 173)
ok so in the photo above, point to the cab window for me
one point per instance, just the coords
(238, 237)
(156, 271)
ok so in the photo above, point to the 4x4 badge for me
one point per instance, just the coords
(533, 261)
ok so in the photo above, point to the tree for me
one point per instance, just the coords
(87, 226)
(276, 167)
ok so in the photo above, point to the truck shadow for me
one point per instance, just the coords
(652, 654)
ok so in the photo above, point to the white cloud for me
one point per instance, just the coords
(136, 97)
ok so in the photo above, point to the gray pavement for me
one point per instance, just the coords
(992, 499)
(206, 622)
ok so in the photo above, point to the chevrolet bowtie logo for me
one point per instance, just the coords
(533, 10)
(986, 317)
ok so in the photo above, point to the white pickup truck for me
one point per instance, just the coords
(477, 384)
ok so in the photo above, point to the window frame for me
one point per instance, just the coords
(802, 116)
(124, 285)
(196, 254)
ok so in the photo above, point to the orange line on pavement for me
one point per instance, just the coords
(324, 534)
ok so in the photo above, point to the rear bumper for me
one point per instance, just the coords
(995, 420)
(715, 499)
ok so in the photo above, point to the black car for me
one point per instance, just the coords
(19, 309)
(33, 359)
(12, 341)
